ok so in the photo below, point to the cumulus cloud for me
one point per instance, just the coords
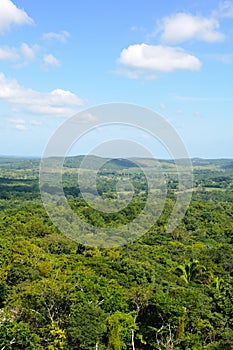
(28, 52)
(62, 36)
(182, 27)
(61, 103)
(10, 15)
(24, 53)
(51, 60)
(157, 58)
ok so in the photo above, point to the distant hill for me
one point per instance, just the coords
(94, 162)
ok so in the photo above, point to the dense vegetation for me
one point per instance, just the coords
(164, 291)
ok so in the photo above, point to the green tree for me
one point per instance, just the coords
(17, 335)
(85, 326)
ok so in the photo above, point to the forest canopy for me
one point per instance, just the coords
(162, 291)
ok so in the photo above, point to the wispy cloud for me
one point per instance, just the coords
(225, 10)
(21, 127)
(35, 122)
(204, 99)
(137, 28)
(16, 120)
(22, 124)
(18, 123)
(62, 36)
(225, 58)
(197, 114)
(162, 105)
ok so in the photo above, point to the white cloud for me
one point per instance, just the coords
(225, 58)
(29, 52)
(225, 9)
(131, 74)
(8, 54)
(61, 103)
(87, 117)
(134, 28)
(197, 114)
(62, 36)
(51, 60)
(183, 27)
(204, 99)
(19, 124)
(23, 53)
(162, 105)
(12, 15)
(137, 28)
(21, 127)
(16, 121)
(143, 58)
(35, 122)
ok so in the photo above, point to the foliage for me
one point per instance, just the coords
(164, 291)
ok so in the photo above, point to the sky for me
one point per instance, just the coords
(60, 57)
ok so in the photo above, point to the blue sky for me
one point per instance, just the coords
(59, 57)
